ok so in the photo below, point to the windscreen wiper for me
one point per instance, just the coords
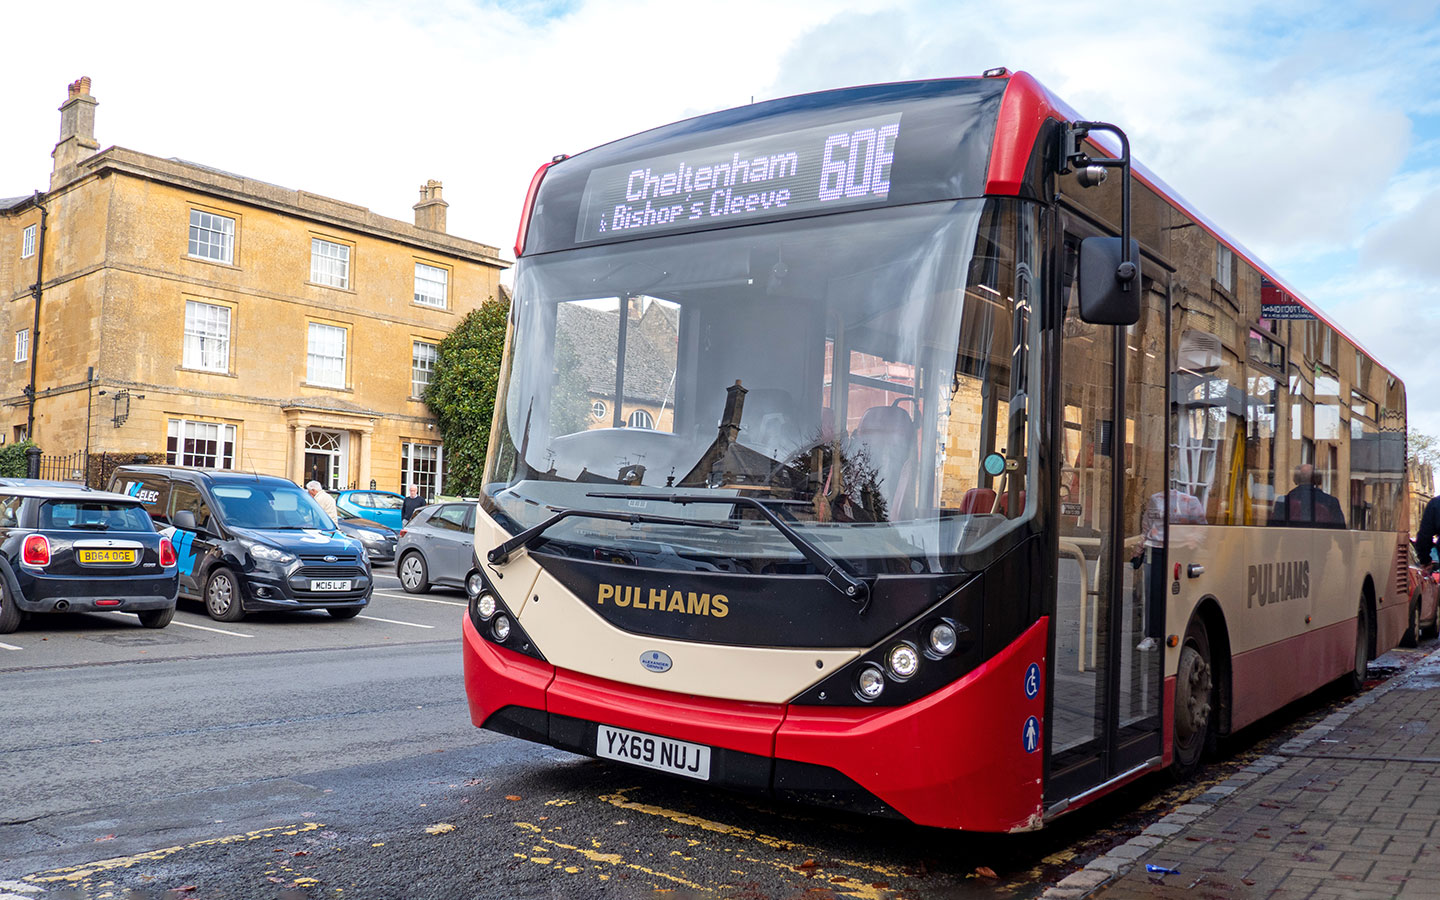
(839, 576)
(531, 536)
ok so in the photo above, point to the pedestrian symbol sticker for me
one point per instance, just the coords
(1030, 737)
(1032, 681)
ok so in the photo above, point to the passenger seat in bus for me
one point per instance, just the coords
(978, 501)
(887, 436)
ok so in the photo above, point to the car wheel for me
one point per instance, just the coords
(156, 618)
(1411, 637)
(9, 612)
(1194, 701)
(414, 575)
(345, 612)
(222, 597)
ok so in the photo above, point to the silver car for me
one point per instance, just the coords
(437, 547)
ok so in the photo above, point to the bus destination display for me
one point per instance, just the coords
(842, 164)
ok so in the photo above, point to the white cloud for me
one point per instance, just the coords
(1305, 130)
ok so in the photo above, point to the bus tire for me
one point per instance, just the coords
(1411, 637)
(1194, 702)
(222, 597)
(1364, 628)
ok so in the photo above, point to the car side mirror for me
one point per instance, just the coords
(1104, 298)
(185, 519)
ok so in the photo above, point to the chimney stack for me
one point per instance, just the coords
(77, 131)
(430, 211)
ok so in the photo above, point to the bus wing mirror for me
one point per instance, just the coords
(1104, 298)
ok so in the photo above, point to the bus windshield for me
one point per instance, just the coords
(868, 374)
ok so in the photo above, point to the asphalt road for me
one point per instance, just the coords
(301, 756)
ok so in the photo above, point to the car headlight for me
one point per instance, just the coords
(267, 553)
(372, 537)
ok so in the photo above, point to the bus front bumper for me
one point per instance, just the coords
(953, 759)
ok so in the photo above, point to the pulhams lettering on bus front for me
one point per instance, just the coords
(1277, 582)
(690, 603)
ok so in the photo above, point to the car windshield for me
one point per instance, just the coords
(269, 506)
(855, 371)
(93, 515)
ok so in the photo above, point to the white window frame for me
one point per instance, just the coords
(1225, 267)
(407, 467)
(329, 263)
(422, 366)
(212, 237)
(321, 367)
(639, 416)
(221, 434)
(22, 345)
(27, 242)
(426, 277)
(207, 337)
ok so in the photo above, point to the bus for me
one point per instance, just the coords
(906, 449)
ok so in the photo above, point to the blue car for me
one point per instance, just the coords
(377, 506)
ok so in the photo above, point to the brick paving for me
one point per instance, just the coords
(1349, 810)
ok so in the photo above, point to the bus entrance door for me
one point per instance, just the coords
(1106, 662)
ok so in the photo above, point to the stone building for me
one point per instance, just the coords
(166, 309)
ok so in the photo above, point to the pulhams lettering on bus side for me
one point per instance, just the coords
(690, 603)
(1278, 582)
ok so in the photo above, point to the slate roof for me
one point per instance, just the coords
(651, 348)
(10, 202)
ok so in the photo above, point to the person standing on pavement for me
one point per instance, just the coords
(1429, 528)
(411, 505)
(324, 499)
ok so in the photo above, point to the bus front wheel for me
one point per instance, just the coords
(1194, 701)
(1364, 630)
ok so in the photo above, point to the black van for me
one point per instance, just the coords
(250, 542)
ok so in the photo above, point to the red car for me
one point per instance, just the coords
(1424, 591)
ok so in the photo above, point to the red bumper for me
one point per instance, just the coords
(957, 758)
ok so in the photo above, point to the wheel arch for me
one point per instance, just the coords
(1209, 613)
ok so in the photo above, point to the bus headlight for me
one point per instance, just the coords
(870, 683)
(942, 639)
(903, 661)
(485, 606)
(502, 628)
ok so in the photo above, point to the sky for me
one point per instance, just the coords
(1307, 131)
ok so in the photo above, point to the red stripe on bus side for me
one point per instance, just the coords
(1271, 676)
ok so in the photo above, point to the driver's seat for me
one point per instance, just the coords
(886, 434)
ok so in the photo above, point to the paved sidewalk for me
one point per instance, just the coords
(1349, 809)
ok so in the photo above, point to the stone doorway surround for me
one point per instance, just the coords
(332, 415)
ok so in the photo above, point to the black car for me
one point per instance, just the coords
(250, 542)
(69, 549)
(378, 540)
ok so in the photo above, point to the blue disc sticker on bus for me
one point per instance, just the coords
(1032, 681)
(1030, 737)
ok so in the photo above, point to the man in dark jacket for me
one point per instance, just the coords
(1307, 506)
(1425, 538)
(411, 505)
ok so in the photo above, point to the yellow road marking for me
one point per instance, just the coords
(85, 870)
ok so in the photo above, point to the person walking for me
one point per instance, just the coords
(411, 505)
(323, 498)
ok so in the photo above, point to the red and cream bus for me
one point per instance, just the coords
(843, 452)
